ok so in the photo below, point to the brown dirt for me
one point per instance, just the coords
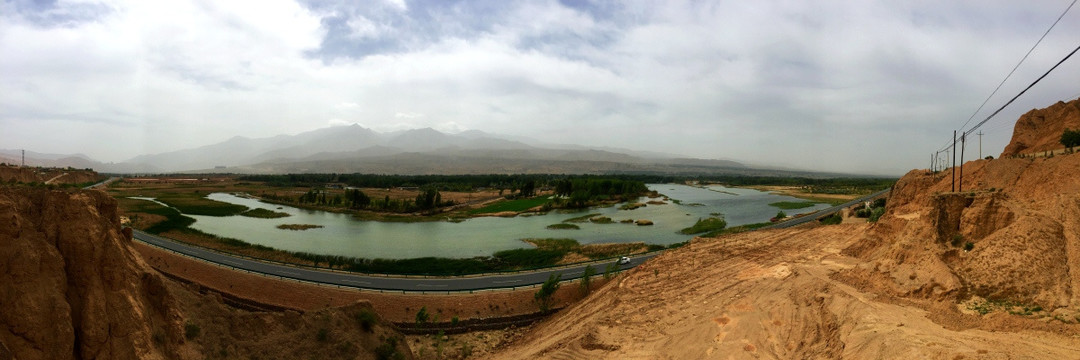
(73, 286)
(799, 192)
(903, 287)
(1040, 129)
(41, 175)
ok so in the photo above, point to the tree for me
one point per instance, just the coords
(1070, 138)
(543, 296)
(587, 278)
(422, 316)
(781, 215)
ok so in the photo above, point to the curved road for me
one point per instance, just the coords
(426, 284)
(376, 282)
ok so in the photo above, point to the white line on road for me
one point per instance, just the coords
(289, 273)
(430, 285)
(505, 281)
(355, 281)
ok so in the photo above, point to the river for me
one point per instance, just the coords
(342, 234)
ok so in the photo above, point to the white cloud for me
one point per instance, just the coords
(721, 80)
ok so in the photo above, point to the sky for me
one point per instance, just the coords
(867, 87)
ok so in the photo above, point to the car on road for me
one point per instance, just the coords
(623, 260)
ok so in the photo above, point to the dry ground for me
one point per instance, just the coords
(772, 294)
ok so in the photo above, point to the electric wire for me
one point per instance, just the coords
(1018, 64)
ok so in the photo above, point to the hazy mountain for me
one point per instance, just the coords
(348, 149)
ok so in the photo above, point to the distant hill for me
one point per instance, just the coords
(356, 149)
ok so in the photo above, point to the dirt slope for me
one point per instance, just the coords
(1040, 129)
(981, 274)
(72, 287)
(16, 174)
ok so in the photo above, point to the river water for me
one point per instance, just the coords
(342, 234)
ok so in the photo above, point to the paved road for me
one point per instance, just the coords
(424, 284)
(828, 211)
(373, 282)
(102, 183)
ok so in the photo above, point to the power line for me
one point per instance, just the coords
(1022, 92)
(1018, 64)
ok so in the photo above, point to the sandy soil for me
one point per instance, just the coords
(771, 294)
(797, 192)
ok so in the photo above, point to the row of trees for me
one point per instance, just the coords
(427, 199)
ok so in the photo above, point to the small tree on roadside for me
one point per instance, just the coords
(544, 296)
(609, 271)
(586, 279)
(422, 316)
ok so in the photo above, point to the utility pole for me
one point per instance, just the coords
(24, 158)
(980, 143)
(962, 142)
(953, 168)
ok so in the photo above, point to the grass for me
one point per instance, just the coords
(298, 227)
(563, 227)
(194, 203)
(737, 229)
(264, 214)
(518, 205)
(580, 219)
(631, 206)
(705, 225)
(601, 220)
(789, 205)
(562, 244)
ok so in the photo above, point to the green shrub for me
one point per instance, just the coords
(705, 225)
(1070, 138)
(422, 316)
(191, 331)
(957, 240)
(876, 214)
(543, 297)
(563, 227)
(388, 350)
(832, 219)
(968, 246)
(367, 319)
(586, 279)
(322, 335)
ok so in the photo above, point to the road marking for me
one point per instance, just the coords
(355, 281)
(289, 273)
(227, 261)
(430, 285)
(505, 281)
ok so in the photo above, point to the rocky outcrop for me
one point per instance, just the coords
(1041, 129)
(70, 285)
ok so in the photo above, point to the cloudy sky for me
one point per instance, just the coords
(857, 86)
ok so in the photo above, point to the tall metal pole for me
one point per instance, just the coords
(24, 158)
(953, 168)
(962, 142)
(980, 143)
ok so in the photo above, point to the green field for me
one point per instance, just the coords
(518, 205)
(789, 205)
(562, 226)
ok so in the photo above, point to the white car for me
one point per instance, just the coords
(623, 260)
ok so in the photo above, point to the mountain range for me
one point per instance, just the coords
(356, 149)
